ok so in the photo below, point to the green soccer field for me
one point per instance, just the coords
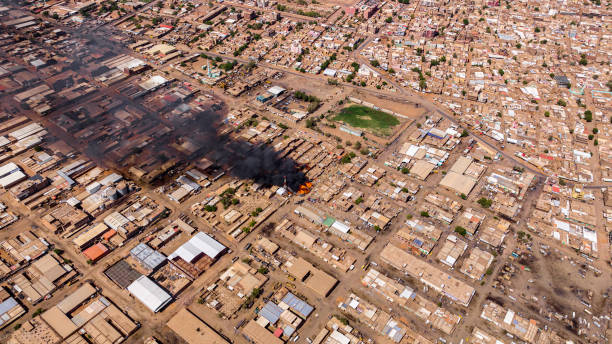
(367, 118)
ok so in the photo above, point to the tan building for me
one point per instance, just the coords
(440, 281)
(476, 265)
(317, 280)
(193, 330)
(259, 334)
(84, 312)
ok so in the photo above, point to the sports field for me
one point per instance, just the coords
(359, 116)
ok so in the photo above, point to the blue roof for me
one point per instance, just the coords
(288, 330)
(5, 307)
(271, 312)
(302, 308)
(147, 256)
(399, 332)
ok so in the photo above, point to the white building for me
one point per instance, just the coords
(149, 293)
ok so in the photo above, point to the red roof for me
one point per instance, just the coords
(166, 26)
(109, 234)
(279, 332)
(95, 252)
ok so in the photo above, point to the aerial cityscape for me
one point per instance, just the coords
(305, 171)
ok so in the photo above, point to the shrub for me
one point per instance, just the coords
(485, 202)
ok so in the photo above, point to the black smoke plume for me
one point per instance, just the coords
(260, 162)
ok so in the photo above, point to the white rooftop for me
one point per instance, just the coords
(149, 293)
(199, 243)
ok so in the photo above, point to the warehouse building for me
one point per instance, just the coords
(149, 293)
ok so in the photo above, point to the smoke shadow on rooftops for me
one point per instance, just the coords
(239, 158)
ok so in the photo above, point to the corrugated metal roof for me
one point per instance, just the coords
(111, 179)
(271, 312)
(199, 243)
(147, 256)
(12, 178)
(302, 308)
(7, 305)
(149, 293)
(115, 220)
(288, 330)
(393, 331)
(8, 169)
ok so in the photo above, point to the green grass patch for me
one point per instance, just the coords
(359, 116)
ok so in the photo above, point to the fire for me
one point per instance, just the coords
(304, 188)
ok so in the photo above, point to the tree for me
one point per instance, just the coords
(485, 202)
(256, 292)
(466, 21)
(588, 116)
(422, 84)
(464, 133)
(460, 230)
(424, 214)
(374, 63)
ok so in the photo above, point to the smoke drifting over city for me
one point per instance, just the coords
(260, 162)
(237, 157)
